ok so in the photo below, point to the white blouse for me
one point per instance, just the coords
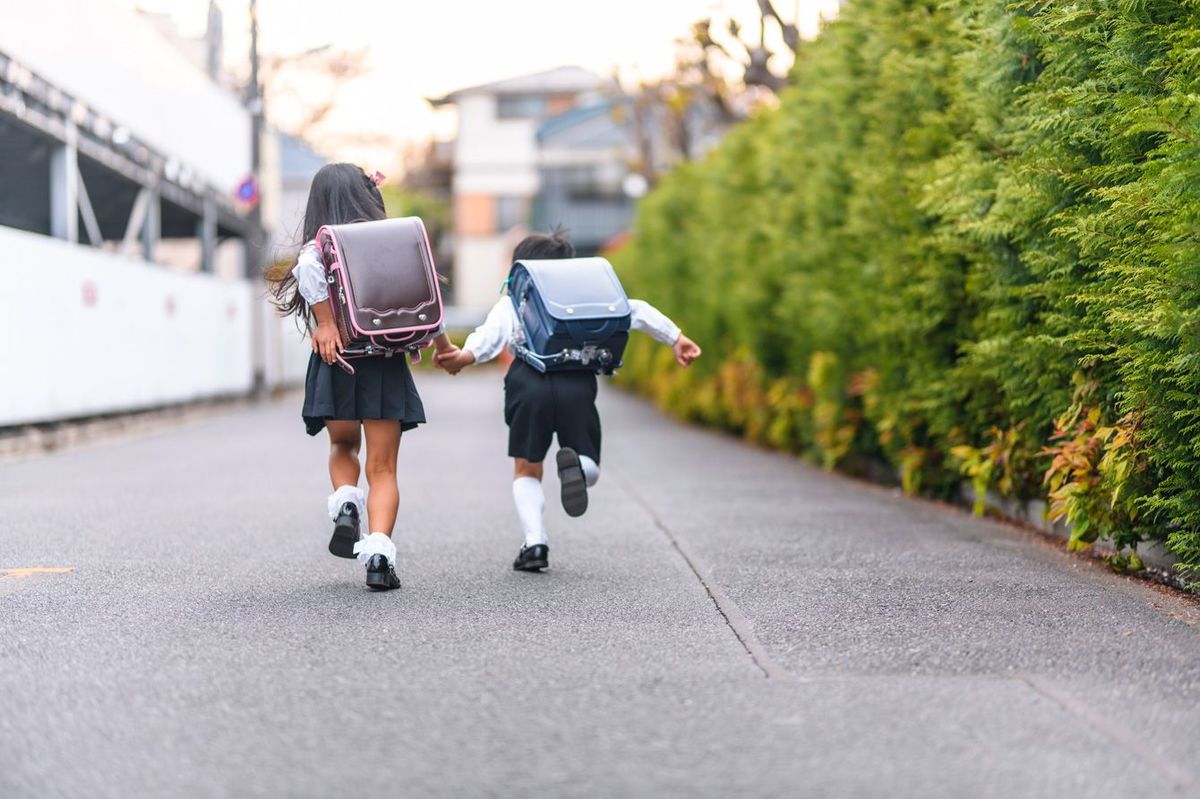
(310, 275)
(502, 328)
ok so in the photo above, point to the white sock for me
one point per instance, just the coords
(375, 544)
(530, 502)
(591, 470)
(344, 494)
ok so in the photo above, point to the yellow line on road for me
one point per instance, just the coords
(25, 572)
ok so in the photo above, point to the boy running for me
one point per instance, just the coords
(538, 406)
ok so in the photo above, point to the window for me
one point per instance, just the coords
(587, 183)
(520, 106)
(510, 212)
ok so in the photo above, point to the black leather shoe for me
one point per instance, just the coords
(345, 532)
(532, 559)
(574, 484)
(380, 574)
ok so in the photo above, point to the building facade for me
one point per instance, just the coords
(536, 151)
(126, 273)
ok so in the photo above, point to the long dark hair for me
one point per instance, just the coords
(340, 193)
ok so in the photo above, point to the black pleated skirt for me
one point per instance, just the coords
(381, 388)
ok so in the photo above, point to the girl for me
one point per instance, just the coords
(379, 401)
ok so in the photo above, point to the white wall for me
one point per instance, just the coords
(477, 287)
(492, 155)
(88, 332)
(285, 351)
(104, 54)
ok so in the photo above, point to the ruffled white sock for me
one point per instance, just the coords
(530, 502)
(591, 470)
(343, 495)
(375, 544)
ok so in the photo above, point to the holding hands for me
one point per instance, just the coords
(453, 360)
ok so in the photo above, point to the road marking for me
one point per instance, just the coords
(742, 627)
(25, 572)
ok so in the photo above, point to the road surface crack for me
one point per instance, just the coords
(741, 627)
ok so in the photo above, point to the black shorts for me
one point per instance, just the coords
(537, 406)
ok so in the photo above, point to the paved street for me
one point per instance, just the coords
(724, 622)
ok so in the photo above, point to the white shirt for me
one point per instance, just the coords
(310, 275)
(501, 328)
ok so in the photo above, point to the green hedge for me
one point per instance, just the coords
(966, 243)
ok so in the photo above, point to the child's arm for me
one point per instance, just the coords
(326, 341)
(310, 282)
(486, 342)
(443, 343)
(648, 319)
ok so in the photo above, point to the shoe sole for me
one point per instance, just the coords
(574, 484)
(345, 536)
(532, 566)
(381, 582)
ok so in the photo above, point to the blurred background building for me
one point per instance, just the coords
(120, 156)
(148, 173)
(564, 148)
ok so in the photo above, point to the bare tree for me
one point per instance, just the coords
(752, 56)
(310, 80)
(719, 78)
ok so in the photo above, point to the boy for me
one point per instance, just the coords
(538, 406)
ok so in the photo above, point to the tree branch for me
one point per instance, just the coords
(791, 34)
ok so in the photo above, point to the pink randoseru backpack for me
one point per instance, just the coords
(383, 286)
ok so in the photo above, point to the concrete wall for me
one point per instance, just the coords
(88, 332)
(285, 351)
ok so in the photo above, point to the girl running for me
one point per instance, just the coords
(378, 402)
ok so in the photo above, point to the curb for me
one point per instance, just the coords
(1032, 514)
(21, 442)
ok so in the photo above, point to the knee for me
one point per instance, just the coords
(380, 469)
(348, 445)
(524, 468)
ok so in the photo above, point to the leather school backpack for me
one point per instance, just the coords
(574, 313)
(383, 286)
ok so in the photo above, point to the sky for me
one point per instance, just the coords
(427, 48)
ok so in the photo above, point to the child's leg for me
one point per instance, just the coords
(376, 551)
(383, 445)
(344, 441)
(530, 500)
(591, 470)
(347, 502)
(577, 423)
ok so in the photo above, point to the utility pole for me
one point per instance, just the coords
(256, 244)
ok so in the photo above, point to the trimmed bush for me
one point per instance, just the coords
(964, 243)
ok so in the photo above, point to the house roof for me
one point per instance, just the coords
(297, 159)
(550, 81)
(571, 118)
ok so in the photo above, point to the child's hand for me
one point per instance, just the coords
(685, 350)
(326, 342)
(454, 361)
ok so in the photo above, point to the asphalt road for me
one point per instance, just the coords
(724, 622)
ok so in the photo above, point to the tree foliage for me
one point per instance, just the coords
(965, 242)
